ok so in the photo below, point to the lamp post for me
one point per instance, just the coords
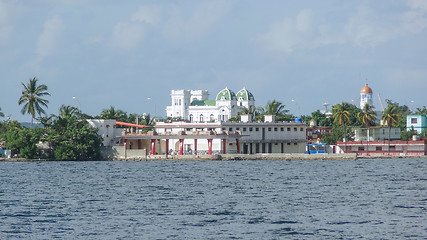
(80, 106)
(154, 117)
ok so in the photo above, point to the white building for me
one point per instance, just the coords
(256, 137)
(376, 133)
(195, 106)
(108, 130)
(366, 96)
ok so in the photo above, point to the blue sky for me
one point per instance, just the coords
(119, 53)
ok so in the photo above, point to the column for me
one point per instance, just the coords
(124, 144)
(195, 146)
(210, 146)
(181, 146)
(153, 146)
(238, 146)
(167, 147)
(224, 145)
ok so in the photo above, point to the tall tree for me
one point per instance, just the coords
(367, 116)
(68, 111)
(390, 116)
(341, 114)
(112, 113)
(32, 98)
(421, 111)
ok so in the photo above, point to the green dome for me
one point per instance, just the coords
(245, 95)
(226, 94)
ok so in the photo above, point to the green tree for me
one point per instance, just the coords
(338, 132)
(72, 138)
(421, 111)
(367, 116)
(390, 118)
(22, 141)
(274, 108)
(321, 119)
(112, 113)
(402, 111)
(32, 98)
(341, 114)
(1, 113)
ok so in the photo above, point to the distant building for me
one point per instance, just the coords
(418, 122)
(365, 96)
(195, 106)
(394, 148)
(376, 133)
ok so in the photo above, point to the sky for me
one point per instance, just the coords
(131, 54)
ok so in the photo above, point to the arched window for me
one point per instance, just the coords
(191, 117)
(212, 118)
(201, 118)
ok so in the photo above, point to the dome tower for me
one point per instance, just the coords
(365, 96)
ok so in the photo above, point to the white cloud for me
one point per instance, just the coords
(289, 33)
(7, 11)
(147, 14)
(203, 18)
(128, 35)
(406, 77)
(367, 27)
(48, 39)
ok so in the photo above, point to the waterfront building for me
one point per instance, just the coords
(195, 106)
(393, 148)
(365, 96)
(376, 133)
(203, 138)
(416, 122)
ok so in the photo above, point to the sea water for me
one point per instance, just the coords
(371, 199)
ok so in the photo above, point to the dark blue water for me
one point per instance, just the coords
(371, 199)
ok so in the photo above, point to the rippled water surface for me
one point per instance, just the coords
(374, 199)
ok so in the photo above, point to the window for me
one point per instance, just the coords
(361, 148)
(414, 120)
(392, 148)
(275, 129)
(269, 129)
(237, 129)
(295, 129)
(378, 148)
(212, 118)
(244, 129)
(257, 129)
(191, 117)
(250, 129)
(230, 129)
(289, 129)
(295, 144)
(289, 144)
(301, 129)
(201, 118)
(223, 129)
(282, 129)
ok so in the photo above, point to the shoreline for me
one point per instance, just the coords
(234, 157)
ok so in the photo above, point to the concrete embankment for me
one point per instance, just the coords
(229, 157)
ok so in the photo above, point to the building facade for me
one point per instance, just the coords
(417, 122)
(376, 133)
(366, 96)
(195, 106)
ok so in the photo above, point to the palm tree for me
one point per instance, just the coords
(273, 108)
(390, 116)
(32, 98)
(341, 114)
(249, 111)
(68, 111)
(111, 113)
(367, 116)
